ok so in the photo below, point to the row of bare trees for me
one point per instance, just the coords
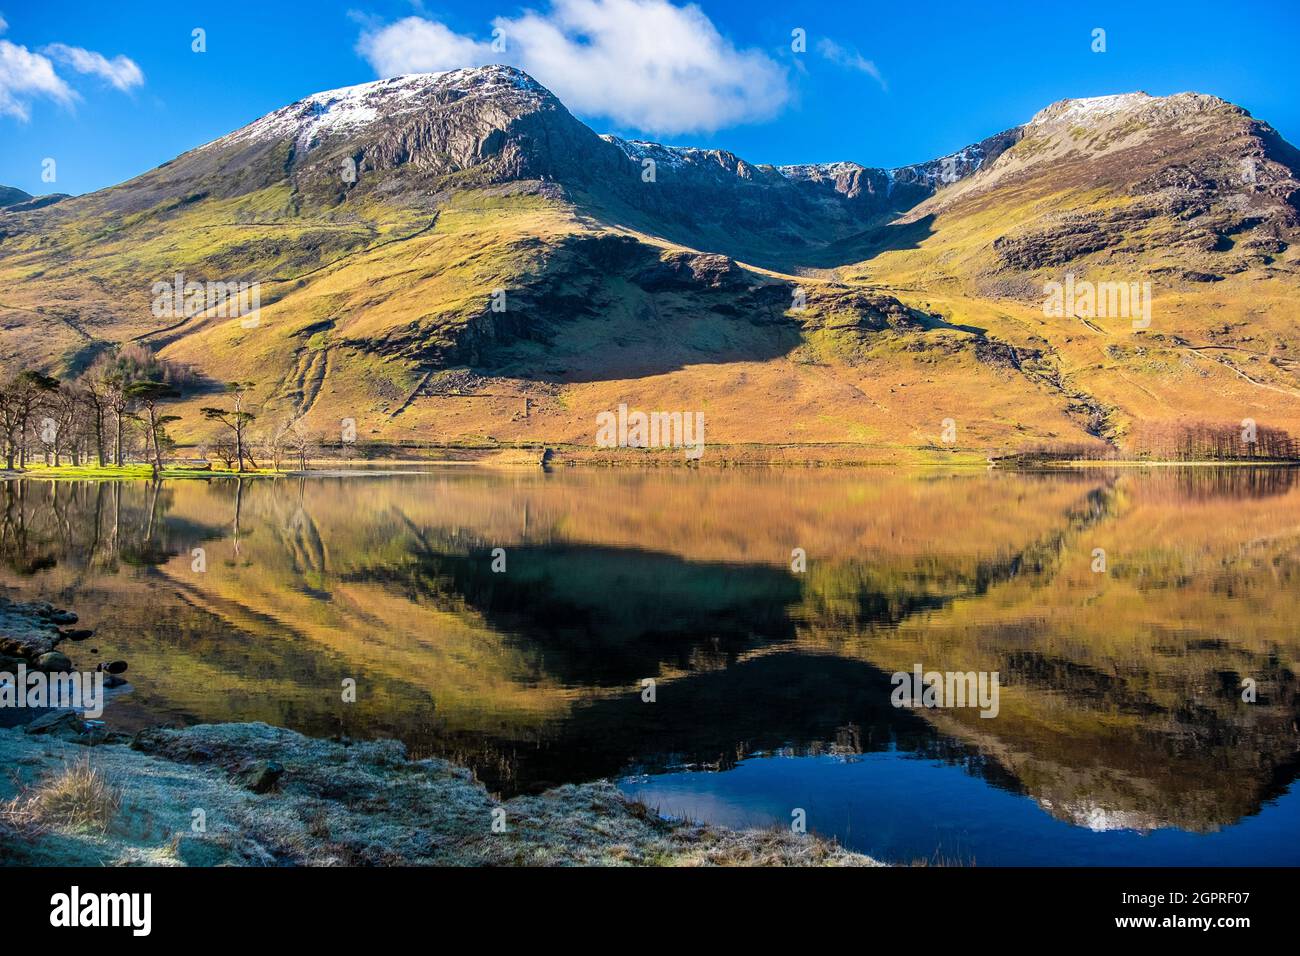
(116, 412)
(1176, 441)
(1211, 441)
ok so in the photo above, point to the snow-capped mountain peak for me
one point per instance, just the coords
(350, 108)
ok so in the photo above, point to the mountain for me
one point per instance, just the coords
(1171, 180)
(13, 199)
(10, 195)
(814, 304)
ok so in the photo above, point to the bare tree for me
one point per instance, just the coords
(224, 449)
(302, 442)
(275, 442)
(20, 398)
(236, 419)
(59, 430)
(95, 395)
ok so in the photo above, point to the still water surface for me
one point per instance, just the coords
(1121, 736)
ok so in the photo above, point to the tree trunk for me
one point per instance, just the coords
(157, 449)
(99, 436)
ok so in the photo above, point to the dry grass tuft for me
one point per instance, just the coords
(81, 797)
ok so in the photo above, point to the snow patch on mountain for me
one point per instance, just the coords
(1097, 109)
(334, 111)
(1093, 107)
(354, 107)
(805, 171)
(637, 150)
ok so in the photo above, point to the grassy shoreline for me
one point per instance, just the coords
(273, 797)
(1048, 463)
(134, 472)
(724, 456)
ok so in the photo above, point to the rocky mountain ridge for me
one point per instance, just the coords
(385, 221)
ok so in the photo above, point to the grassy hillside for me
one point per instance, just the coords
(456, 296)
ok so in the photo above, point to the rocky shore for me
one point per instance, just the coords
(30, 634)
(255, 795)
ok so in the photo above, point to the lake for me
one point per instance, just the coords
(1142, 624)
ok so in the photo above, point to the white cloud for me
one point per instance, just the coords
(121, 71)
(850, 59)
(415, 45)
(23, 75)
(645, 64)
(26, 75)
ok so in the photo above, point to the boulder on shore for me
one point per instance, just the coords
(29, 630)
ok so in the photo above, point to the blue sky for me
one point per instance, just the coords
(111, 90)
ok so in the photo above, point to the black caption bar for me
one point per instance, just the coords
(298, 905)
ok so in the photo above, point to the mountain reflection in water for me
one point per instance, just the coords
(1121, 692)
